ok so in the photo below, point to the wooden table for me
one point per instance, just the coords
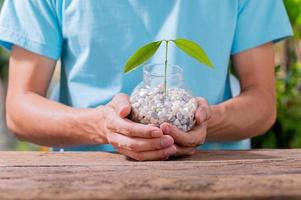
(255, 174)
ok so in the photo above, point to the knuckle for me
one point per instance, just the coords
(111, 136)
(133, 128)
(108, 120)
(132, 146)
(114, 141)
(110, 106)
(109, 125)
(125, 130)
(122, 95)
(118, 96)
(128, 130)
(204, 108)
(203, 102)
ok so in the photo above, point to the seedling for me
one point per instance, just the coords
(144, 53)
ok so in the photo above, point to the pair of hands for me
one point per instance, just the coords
(147, 142)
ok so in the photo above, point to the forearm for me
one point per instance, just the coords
(250, 114)
(45, 122)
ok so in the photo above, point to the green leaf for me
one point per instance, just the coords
(141, 56)
(194, 50)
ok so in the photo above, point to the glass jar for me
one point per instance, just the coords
(153, 103)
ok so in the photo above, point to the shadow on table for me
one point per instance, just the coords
(226, 155)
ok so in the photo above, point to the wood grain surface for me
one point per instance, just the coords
(254, 174)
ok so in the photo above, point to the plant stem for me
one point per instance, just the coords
(165, 68)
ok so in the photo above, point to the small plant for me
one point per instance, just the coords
(146, 52)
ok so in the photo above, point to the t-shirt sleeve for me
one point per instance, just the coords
(260, 22)
(32, 25)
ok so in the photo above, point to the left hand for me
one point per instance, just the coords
(186, 143)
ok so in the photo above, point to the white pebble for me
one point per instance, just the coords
(152, 106)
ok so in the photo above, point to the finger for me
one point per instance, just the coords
(132, 129)
(139, 144)
(161, 154)
(184, 151)
(203, 103)
(121, 104)
(191, 139)
(200, 115)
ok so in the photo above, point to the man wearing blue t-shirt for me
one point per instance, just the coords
(93, 39)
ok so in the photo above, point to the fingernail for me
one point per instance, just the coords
(170, 151)
(166, 129)
(166, 142)
(124, 111)
(156, 133)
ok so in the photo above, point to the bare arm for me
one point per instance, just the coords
(33, 117)
(253, 112)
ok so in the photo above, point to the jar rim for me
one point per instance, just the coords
(178, 70)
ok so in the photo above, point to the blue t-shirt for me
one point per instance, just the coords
(94, 38)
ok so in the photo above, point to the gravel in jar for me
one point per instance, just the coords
(152, 106)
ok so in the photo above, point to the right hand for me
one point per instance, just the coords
(137, 141)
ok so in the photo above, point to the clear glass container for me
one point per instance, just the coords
(153, 103)
(153, 75)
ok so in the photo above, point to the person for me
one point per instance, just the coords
(93, 40)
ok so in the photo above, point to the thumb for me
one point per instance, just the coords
(200, 115)
(121, 104)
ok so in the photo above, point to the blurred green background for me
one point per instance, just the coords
(286, 133)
